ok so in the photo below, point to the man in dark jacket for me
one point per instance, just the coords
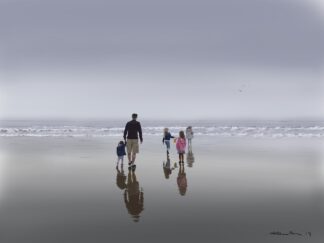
(132, 130)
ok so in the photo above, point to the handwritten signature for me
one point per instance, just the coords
(306, 234)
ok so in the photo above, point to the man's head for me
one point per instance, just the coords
(134, 116)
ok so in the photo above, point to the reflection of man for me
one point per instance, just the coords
(133, 197)
(132, 130)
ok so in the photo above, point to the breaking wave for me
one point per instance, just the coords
(218, 131)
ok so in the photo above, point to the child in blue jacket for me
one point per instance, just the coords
(121, 152)
(166, 139)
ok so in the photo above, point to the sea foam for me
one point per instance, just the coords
(256, 131)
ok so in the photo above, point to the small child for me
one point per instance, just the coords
(181, 146)
(166, 139)
(121, 152)
(189, 135)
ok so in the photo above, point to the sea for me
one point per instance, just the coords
(115, 128)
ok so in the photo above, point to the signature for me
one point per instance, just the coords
(306, 234)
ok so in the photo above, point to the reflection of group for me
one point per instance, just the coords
(133, 194)
(181, 179)
(181, 149)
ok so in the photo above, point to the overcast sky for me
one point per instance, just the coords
(162, 59)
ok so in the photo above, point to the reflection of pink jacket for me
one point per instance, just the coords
(182, 181)
(181, 145)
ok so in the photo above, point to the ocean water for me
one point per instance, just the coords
(114, 128)
(59, 183)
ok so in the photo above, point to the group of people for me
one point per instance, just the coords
(133, 133)
(133, 194)
(181, 143)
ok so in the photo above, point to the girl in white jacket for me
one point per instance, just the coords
(189, 136)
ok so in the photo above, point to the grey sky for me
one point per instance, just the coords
(220, 58)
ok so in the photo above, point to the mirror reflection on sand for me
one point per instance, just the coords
(134, 196)
(68, 189)
(132, 193)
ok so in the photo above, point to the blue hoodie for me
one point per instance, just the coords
(121, 150)
(167, 137)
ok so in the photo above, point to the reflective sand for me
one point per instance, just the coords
(232, 190)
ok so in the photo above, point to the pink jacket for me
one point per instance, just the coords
(181, 145)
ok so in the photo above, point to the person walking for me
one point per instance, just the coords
(181, 146)
(120, 153)
(132, 131)
(166, 139)
(189, 135)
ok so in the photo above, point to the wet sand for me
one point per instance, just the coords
(230, 190)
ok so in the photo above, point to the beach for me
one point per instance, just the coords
(77, 77)
(236, 189)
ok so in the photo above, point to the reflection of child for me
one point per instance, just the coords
(121, 152)
(167, 168)
(121, 179)
(166, 139)
(182, 181)
(181, 146)
(190, 158)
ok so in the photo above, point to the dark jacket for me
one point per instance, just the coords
(121, 150)
(167, 136)
(132, 129)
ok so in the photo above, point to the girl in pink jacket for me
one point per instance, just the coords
(181, 146)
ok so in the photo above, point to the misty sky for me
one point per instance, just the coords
(162, 59)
